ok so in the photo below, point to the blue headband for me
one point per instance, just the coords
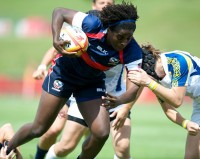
(122, 21)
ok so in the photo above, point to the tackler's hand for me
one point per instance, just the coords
(139, 77)
(3, 154)
(120, 117)
(39, 74)
(192, 128)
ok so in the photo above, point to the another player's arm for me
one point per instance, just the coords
(171, 112)
(130, 104)
(122, 113)
(176, 117)
(49, 56)
(130, 95)
(174, 96)
(41, 71)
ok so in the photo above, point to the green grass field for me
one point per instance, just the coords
(153, 135)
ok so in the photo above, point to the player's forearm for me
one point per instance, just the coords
(130, 105)
(128, 97)
(131, 94)
(172, 114)
(49, 56)
(170, 96)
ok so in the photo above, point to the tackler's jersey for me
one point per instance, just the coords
(114, 79)
(182, 69)
(101, 56)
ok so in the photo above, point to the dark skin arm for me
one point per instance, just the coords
(59, 16)
(129, 96)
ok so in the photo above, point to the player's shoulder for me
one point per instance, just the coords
(91, 24)
(178, 54)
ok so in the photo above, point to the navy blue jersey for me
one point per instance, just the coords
(84, 77)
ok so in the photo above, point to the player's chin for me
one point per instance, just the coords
(118, 48)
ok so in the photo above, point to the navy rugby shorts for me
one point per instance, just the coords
(82, 82)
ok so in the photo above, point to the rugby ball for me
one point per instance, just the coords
(77, 38)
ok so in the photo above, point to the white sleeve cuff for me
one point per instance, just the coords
(78, 19)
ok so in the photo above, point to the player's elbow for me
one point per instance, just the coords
(177, 103)
(58, 11)
(176, 97)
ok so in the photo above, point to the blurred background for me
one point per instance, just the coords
(25, 36)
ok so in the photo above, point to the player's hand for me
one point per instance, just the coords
(59, 46)
(109, 101)
(3, 155)
(193, 128)
(39, 74)
(139, 77)
(121, 115)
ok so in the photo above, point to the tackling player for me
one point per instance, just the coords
(176, 74)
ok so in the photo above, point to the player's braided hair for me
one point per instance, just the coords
(112, 14)
(150, 56)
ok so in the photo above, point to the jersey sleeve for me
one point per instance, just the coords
(136, 65)
(180, 67)
(88, 22)
(78, 19)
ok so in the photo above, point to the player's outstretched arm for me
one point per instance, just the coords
(176, 117)
(41, 71)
